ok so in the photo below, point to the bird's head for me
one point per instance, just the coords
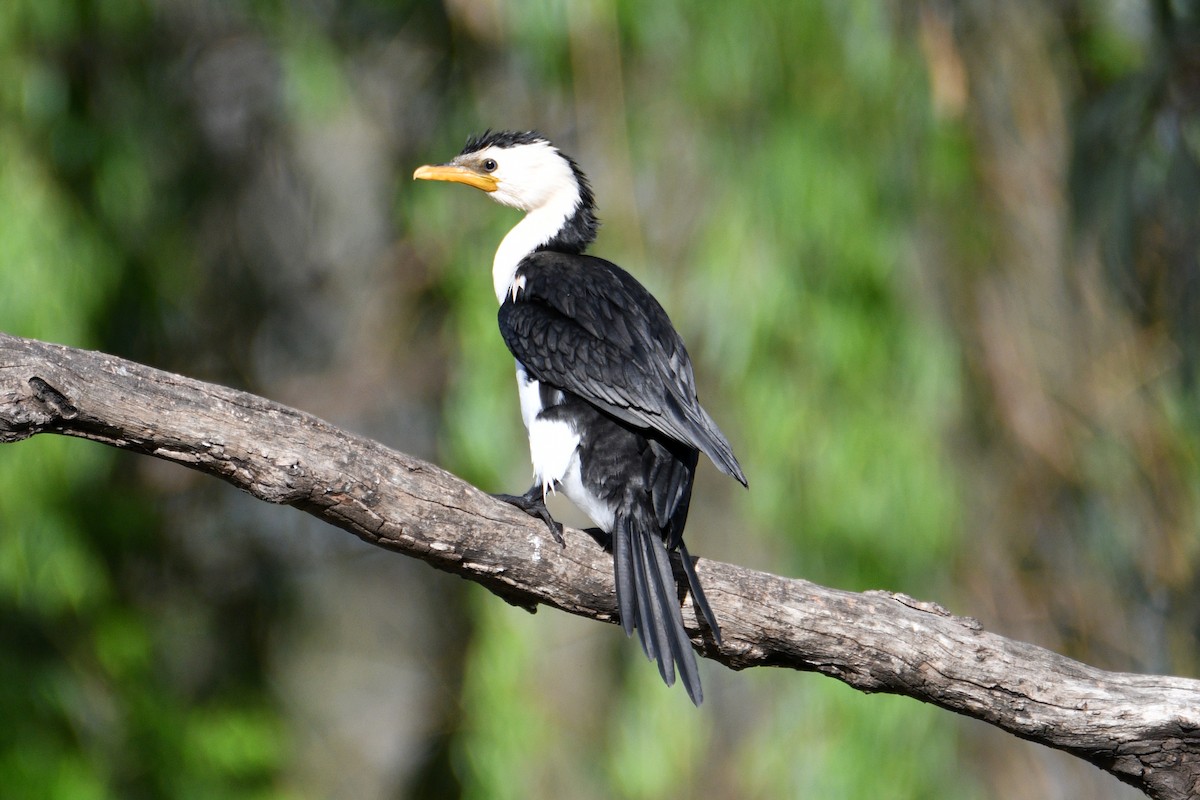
(518, 169)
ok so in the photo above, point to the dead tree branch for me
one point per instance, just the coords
(1143, 729)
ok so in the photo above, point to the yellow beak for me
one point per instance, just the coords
(456, 174)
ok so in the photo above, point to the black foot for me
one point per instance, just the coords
(534, 504)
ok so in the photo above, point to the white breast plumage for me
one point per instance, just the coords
(552, 443)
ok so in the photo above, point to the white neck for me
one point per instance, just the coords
(538, 227)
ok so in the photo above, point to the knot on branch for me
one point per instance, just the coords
(26, 413)
(52, 399)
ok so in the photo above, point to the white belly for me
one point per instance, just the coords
(552, 443)
(600, 512)
(554, 450)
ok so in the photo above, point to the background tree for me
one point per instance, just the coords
(936, 265)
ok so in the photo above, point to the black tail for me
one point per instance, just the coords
(647, 598)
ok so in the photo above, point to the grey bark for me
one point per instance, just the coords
(1144, 729)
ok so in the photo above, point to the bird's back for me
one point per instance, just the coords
(587, 326)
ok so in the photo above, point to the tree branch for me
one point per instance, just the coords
(1143, 729)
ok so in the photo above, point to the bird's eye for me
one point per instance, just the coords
(489, 165)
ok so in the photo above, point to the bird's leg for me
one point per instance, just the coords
(533, 503)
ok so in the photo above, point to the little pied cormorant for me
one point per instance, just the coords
(606, 386)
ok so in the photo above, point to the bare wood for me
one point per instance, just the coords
(1143, 729)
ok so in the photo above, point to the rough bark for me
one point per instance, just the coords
(1144, 729)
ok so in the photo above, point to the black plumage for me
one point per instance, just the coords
(606, 382)
(584, 325)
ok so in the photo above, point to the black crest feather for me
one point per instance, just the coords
(491, 138)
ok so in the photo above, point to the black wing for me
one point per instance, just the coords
(585, 325)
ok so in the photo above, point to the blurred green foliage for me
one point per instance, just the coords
(817, 194)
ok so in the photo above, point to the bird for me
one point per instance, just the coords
(606, 387)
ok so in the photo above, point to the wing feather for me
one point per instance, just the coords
(583, 324)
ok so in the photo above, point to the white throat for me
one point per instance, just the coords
(538, 227)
